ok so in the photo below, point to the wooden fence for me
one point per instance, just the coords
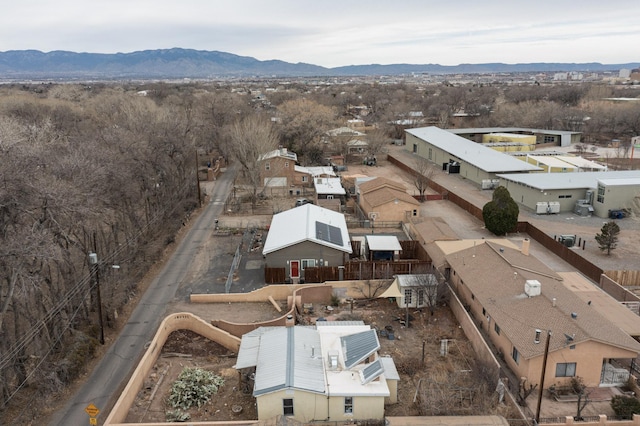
(625, 278)
(353, 271)
(274, 275)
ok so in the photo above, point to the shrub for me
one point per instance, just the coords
(194, 386)
(625, 406)
(501, 213)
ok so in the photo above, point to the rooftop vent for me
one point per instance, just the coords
(332, 360)
(574, 315)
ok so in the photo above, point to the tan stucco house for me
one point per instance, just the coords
(327, 372)
(382, 199)
(517, 300)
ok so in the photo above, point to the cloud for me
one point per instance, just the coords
(334, 33)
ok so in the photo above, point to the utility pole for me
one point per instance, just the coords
(198, 180)
(93, 260)
(544, 370)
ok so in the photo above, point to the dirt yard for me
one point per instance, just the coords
(430, 383)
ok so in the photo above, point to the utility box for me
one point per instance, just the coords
(568, 240)
(554, 207)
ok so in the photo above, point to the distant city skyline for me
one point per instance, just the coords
(333, 33)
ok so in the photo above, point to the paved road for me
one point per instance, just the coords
(107, 380)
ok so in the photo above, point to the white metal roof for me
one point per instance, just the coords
(390, 370)
(471, 152)
(299, 224)
(297, 357)
(550, 181)
(288, 358)
(416, 280)
(383, 242)
(280, 152)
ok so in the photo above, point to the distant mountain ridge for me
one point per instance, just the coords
(190, 63)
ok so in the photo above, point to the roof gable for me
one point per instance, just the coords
(380, 196)
(301, 224)
(380, 182)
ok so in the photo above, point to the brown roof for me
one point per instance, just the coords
(602, 302)
(433, 229)
(381, 182)
(378, 197)
(496, 276)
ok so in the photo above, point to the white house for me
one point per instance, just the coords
(327, 372)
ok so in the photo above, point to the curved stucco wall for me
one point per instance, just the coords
(174, 322)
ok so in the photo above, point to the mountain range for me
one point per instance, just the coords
(189, 63)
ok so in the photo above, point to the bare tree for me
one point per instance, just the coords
(251, 138)
(423, 174)
(377, 140)
(303, 124)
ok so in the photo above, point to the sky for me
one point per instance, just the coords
(335, 33)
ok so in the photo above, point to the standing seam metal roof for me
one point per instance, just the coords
(471, 152)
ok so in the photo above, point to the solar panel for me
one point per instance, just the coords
(329, 233)
(372, 371)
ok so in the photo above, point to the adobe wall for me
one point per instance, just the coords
(612, 286)
(480, 347)
(300, 293)
(179, 321)
(342, 289)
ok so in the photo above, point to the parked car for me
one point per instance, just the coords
(302, 202)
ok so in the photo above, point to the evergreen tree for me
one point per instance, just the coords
(608, 237)
(501, 213)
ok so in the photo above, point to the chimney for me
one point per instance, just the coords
(525, 246)
(290, 321)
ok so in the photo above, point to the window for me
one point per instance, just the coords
(549, 138)
(430, 153)
(305, 178)
(415, 212)
(496, 328)
(267, 166)
(407, 296)
(348, 405)
(308, 263)
(286, 164)
(600, 193)
(515, 355)
(287, 406)
(420, 297)
(566, 369)
(565, 196)
(415, 148)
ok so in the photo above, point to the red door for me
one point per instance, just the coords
(295, 269)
